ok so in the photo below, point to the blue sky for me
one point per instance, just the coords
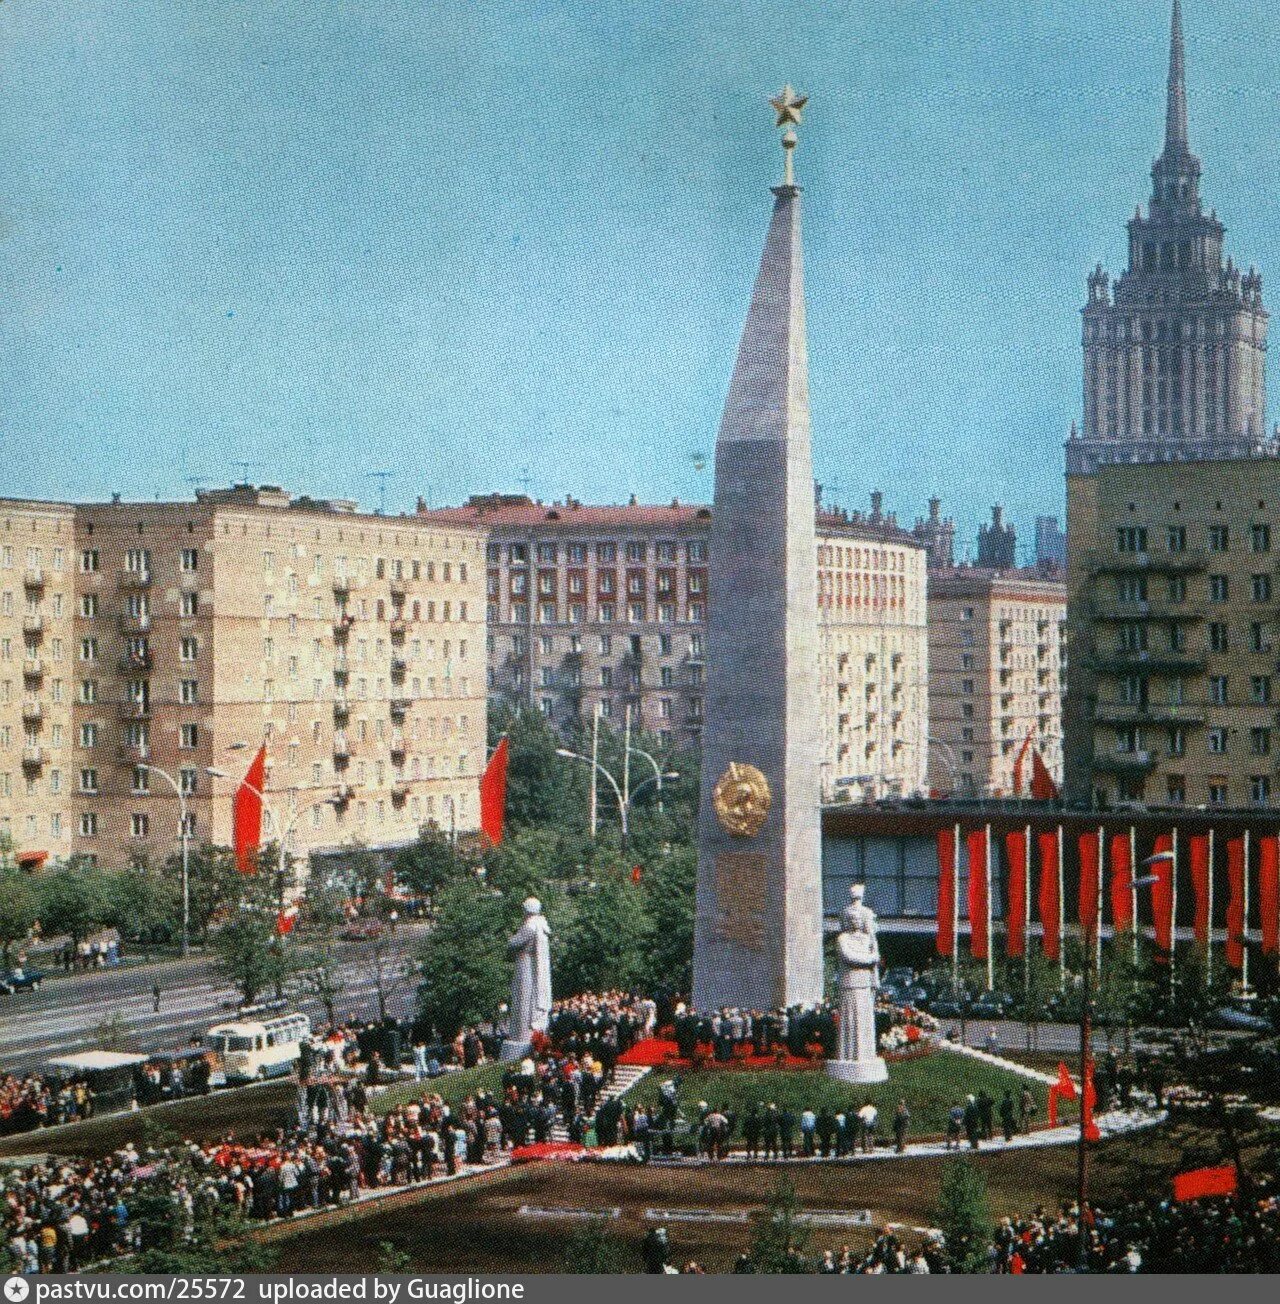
(455, 240)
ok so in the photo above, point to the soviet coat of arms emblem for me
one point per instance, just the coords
(741, 799)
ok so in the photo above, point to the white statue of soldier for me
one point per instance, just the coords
(530, 949)
(858, 951)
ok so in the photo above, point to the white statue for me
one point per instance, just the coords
(858, 952)
(530, 949)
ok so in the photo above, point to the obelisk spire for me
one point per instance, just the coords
(788, 105)
(1175, 119)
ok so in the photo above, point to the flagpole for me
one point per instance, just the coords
(1026, 911)
(955, 911)
(1244, 922)
(1133, 894)
(595, 767)
(991, 955)
(1173, 900)
(1097, 912)
(1062, 912)
(1208, 941)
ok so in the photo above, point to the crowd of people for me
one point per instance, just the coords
(31, 1101)
(799, 1031)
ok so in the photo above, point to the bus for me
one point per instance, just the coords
(255, 1051)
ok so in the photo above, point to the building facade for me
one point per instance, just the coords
(1173, 373)
(1051, 542)
(352, 645)
(604, 607)
(997, 542)
(995, 678)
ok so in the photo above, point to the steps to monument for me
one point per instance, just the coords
(625, 1076)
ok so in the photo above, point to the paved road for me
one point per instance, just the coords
(65, 1014)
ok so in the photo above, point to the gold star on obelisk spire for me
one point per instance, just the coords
(788, 106)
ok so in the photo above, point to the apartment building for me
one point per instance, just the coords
(605, 606)
(995, 677)
(351, 644)
(1175, 614)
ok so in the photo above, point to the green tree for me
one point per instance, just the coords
(594, 1250)
(605, 937)
(963, 1215)
(18, 909)
(75, 900)
(143, 905)
(543, 789)
(214, 885)
(1032, 980)
(250, 954)
(428, 865)
(780, 1239)
(668, 882)
(319, 975)
(463, 970)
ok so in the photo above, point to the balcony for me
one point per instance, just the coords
(138, 622)
(1155, 663)
(1158, 563)
(399, 589)
(340, 670)
(32, 712)
(133, 753)
(398, 626)
(134, 580)
(33, 757)
(399, 790)
(398, 667)
(341, 708)
(342, 585)
(33, 578)
(342, 626)
(33, 668)
(341, 751)
(342, 794)
(135, 663)
(33, 625)
(1163, 713)
(1125, 763)
(131, 710)
(397, 748)
(399, 706)
(1114, 609)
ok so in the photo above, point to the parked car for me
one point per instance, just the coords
(21, 980)
(1238, 1015)
(363, 930)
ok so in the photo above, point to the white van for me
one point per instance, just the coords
(253, 1052)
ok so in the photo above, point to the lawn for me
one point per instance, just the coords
(930, 1084)
(453, 1088)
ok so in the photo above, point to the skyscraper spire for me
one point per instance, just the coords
(1175, 121)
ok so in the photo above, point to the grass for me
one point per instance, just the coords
(930, 1084)
(453, 1088)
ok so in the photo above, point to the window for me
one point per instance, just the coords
(664, 645)
(1218, 690)
(89, 606)
(88, 824)
(635, 551)
(189, 604)
(1260, 789)
(1260, 689)
(1131, 538)
(547, 552)
(1257, 638)
(139, 825)
(1177, 588)
(187, 781)
(1176, 789)
(1260, 742)
(1217, 637)
(88, 780)
(1260, 538)
(1217, 792)
(187, 692)
(89, 561)
(1177, 538)
(88, 735)
(187, 649)
(88, 691)
(696, 551)
(1219, 538)
(607, 553)
(189, 562)
(1217, 738)
(1177, 742)
(1218, 588)
(188, 736)
(141, 780)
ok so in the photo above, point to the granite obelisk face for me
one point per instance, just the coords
(758, 932)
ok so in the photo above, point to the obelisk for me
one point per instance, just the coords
(758, 931)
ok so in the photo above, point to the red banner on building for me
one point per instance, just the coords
(1015, 915)
(978, 939)
(1235, 902)
(1162, 893)
(1089, 868)
(1269, 893)
(1121, 882)
(246, 813)
(1199, 856)
(946, 939)
(1050, 906)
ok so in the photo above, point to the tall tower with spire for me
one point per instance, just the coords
(1174, 355)
(758, 927)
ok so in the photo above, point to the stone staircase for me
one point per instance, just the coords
(625, 1076)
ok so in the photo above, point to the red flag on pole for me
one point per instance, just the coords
(1049, 905)
(1018, 763)
(1088, 899)
(1063, 1089)
(246, 813)
(1235, 903)
(1088, 1102)
(493, 793)
(1162, 894)
(1269, 893)
(1121, 882)
(1197, 1183)
(978, 940)
(1015, 915)
(1043, 787)
(1198, 852)
(946, 937)
(285, 921)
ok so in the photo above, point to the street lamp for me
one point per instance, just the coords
(624, 799)
(185, 835)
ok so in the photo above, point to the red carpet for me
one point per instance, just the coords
(547, 1150)
(658, 1052)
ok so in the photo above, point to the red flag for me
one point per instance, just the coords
(1017, 765)
(1063, 1089)
(1198, 845)
(246, 813)
(1043, 787)
(946, 939)
(1235, 902)
(1088, 900)
(978, 940)
(493, 793)
(1121, 882)
(636, 873)
(1162, 894)
(1016, 898)
(1088, 1103)
(1199, 1182)
(1049, 904)
(285, 921)
(1269, 893)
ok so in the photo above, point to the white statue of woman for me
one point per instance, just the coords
(858, 950)
(530, 949)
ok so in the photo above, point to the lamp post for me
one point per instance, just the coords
(185, 836)
(282, 829)
(624, 799)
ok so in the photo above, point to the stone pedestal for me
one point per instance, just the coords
(515, 1050)
(869, 1070)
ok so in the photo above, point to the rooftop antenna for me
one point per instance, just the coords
(525, 480)
(244, 464)
(381, 477)
(196, 482)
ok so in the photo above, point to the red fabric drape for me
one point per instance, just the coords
(493, 794)
(1043, 787)
(1235, 902)
(1269, 893)
(1049, 906)
(1018, 763)
(246, 813)
(1088, 900)
(1162, 895)
(946, 938)
(978, 940)
(1199, 857)
(1015, 915)
(1200, 1182)
(1121, 882)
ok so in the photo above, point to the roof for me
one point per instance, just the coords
(519, 511)
(90, 1060)
(857, 525)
